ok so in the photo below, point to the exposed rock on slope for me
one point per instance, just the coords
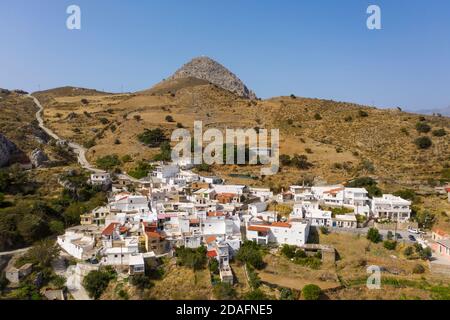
(205, 68)
(38, 158)
(7, 148)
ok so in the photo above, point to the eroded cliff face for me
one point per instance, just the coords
(7, 148)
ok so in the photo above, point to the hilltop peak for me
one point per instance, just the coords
(205, 68)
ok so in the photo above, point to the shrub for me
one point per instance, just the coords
(224, 291)
(439, 133)
(423, 142)
(103, 121)
(422, 127)
(108, 162)
(287, 294)
(89, 144)
(301, 162)
(308, 150)
(137, 117)
(373, 235)
(126, 158)
(256, 294)
(152, 138)
(390, 245)
(169, 118)
(317, 116)
(97, 281)
(418, 269)
(180, 125)
(84, 101)
(214, 266)
(293, 96)
(141, 281)
(288, 251)
(253, 278)
(407, 194)
(409, 251)
(311, 292)
(191, 258)
(363, 114)
(141, 171)
(285, 160)
(348, 119)
(117, 141)
(324, 230)
(250, 253)
(204, 167)
(165, 154)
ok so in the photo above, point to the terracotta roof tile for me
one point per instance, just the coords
(281, 225)
(212, 254)
(110, 229)
(258, 228)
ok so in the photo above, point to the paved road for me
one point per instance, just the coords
(7, 253)
(74, 284)
(79, 150)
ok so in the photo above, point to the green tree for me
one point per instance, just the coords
(250, 253)
(373, 235)
(390, 245)
(152, 138)
(97, 281)
(108, 162)
(42, 254)
(311, 292)
(214, 266)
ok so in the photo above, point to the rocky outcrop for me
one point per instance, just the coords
(205, 68)
(38, 158)
(7, 148)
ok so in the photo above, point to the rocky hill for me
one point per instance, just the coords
(7, 148)
(205, 68)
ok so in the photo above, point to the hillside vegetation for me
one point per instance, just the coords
(341, 140)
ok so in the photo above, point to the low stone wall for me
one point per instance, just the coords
(401, 226)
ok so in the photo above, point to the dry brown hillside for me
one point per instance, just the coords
(342, 140)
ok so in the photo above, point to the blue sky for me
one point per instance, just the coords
(312, 48)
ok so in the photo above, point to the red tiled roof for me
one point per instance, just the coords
(216, 214)
(154, 235)
(123, 229)
(281, 225)
(211, 239)
(211, 254)
(258, 228)
(440, 232)
(225, 194)
(194, 221)
(334, 190)
(110, 229)
(448, 189)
